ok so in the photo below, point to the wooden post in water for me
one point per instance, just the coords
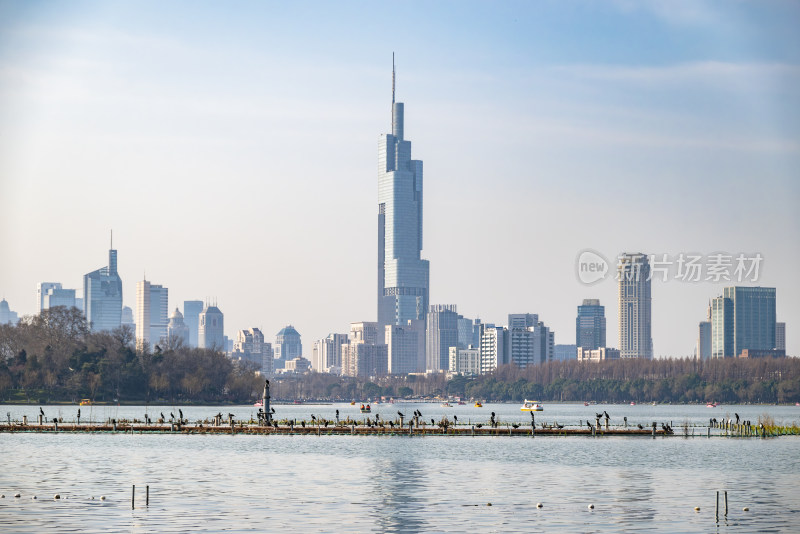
(147, 496)
(55, 424)
(726, 503)
(133, 495)
(40, 419)
(473, 431)
(716, 509)
(654, 430)
(25, 420)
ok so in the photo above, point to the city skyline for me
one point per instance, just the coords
(557, 132)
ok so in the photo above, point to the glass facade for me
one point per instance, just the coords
(590, 325)
(102, 296)
(753, 317)
(403, 277)
(191, 317)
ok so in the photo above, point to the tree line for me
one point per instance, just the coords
(55, 357)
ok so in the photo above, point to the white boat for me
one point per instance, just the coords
(530, 406)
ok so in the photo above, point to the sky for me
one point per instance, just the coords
(232, 148)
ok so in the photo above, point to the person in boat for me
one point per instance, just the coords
(362, 406)
(368, 407)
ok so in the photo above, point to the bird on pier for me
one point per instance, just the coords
(514, 425)
(162, 416)
(589, 425)
(180, 412)
(400, 414)
(598, 416)
(558, 426)
(737, 418)
(41, 412)
(313, 418)
(640, 427)
(79, 413)
(605, 414)
(455, 419)
(303, 423)
(377, 416)
(171, 416)
(479, 425)
(433, 421)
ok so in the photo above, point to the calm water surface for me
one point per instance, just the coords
(401, 484)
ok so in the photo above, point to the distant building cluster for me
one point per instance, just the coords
(411, 335)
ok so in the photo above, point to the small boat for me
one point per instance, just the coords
(258, 404)
(446, 404)
(366, 409)
(86, 402)
(585, 403)
(478, 404)
(352, 403)
(711, 405)
(530, 406)
(633, 403)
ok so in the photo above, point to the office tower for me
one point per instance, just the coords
(210, 331)
(493, 347)
(191, 316)
(41, 292)
(102, 296)
(466, 361)
(780, 336)
(590, 325)
(721, 328)
(79, 301)
(250, 346)
(326, 356)
(57, 296)
(633, 290)
(142, 314)
(287, 345)
(6, 315)
(159, 312)
(529, 341)
(363, 356)
(403, 277)
(703, 350)
(405, 346)
(749, 323)
(564, 353)
(467, 334)
(442, 334)
(177, 331)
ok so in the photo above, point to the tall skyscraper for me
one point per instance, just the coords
(287, 345)
(405, 347)
(327, 354)
(250, 346)
(191, 316)
(210, 333)
(529, 341)
(102, 296)
(703, 351)
(743, 318)
(633, 291)
(442, 334)
(152, 305)
(403, 277)
(364, 355)
(590, 325)
(142, 314)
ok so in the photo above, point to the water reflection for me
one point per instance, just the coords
(398, 495)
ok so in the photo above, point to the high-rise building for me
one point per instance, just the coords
(287, 346)
(6, 315)
(57, 296)
(126, 318)
(41, 292)
(405, 346)
(191, 316)
(211, 331)
(467, 333)
(177, 331)
(403, 276)
(102, 296)
(442, 334)
(590, 325)
(743, 318)
(493, 347)
(326, 356)
(152, 307)
(363, 356)
(596, 355)
(635, 338)
(529, 341)
(703, 350)
(250, 346)
(780, 336)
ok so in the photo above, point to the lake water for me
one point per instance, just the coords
(215, 483)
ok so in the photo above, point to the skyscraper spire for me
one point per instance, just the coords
(392, 89)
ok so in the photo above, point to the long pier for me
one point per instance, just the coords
(319, 430)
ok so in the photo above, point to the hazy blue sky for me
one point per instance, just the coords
(233, 150)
